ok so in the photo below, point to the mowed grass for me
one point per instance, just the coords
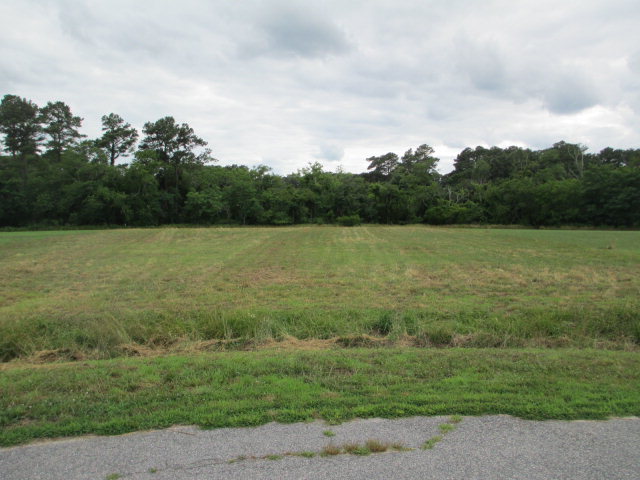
(296, 296)
(250, 388)
(107, 293)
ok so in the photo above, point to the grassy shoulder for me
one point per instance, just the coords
(252, 388)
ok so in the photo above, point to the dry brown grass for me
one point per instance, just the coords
(331, 450)
(56, 355)
(376, 446)
(292, 343)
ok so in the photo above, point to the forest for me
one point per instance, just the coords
(51, 175)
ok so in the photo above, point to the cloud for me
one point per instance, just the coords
(288, 83)
(290, 28)
(330, 152)
(482, 64)
(570, 94)
(634, 62)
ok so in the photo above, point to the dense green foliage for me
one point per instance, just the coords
(50, 177)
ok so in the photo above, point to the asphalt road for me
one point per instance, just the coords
(492, 447)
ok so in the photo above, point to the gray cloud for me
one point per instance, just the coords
(286, 83)
(289, 28)
(482, 64)
(330, 152)
(570, 94)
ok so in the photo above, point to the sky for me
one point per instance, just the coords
(286, 83)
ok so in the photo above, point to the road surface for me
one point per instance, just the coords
(491, 447)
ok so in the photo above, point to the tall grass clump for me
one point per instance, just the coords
(105, 337)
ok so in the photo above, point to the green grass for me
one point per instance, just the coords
(455, 419)
(156, 321)
(108, 293)
(446, 428)
(432, 442)
(251, 388)
(305, 454)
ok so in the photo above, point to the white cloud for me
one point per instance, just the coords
(287, 83)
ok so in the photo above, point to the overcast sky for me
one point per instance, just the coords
(285, 83)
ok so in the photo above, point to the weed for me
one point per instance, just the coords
(329, 433)
(113, 476)
(376, 446)
(355, 449)
(330, 450)
(306, 454)
(446, 427)
(429, 444)
(350, 447)
(399, 447)
(274, 457)
(153, 470)
(240, 458)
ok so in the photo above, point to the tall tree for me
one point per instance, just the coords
(421, 164)
(572, 156)
(422, 155)
(175, 145)
(21, 128)
(382, 167)
(118, 138)
(61, 126)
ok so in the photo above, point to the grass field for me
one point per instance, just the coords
(98, 294)
(538, 324)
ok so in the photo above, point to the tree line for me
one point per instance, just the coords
(52, 175)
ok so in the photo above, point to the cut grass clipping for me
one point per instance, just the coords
(252, 388)
(74, 295)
